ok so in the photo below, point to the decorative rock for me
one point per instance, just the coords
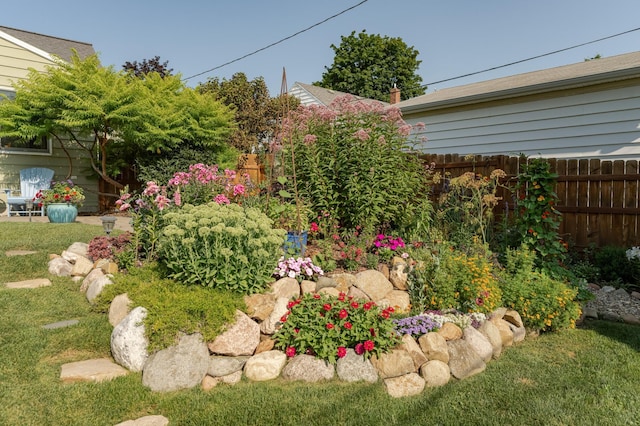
(590, 312)
(357, 294)
(96, 287)
(324, 282)
(81, 249)
(491, 332)
(395, 363)
(410, 345)
(10, 253)
(91, 370)
(119, 308)
(435, 373)
(479, 343)
(330, 291)
(434, 346)
(225, 365)
(307, 287)
(407, 385)
(264, 346)
(635, 295)
(399, 275)
(272, 323)
(519, 333)
(621, 293)
(60, 267)
(384, 269)
(397, 299)
(241, 338)
(155, 420)
(35, 283)
(265, 366)
(109, 267)
(308, 369)
(354, 368)
(70, 257)
(259, 306)
(91, 277)
(128, 341)
(286, 287)
(513, 317)
(178, 367)
(209, 382)
(505, 332)
(81, 267)
(450, 331)
(345, 281)
(630, 319)
(463, 360)
(498, 313)
(373, 284)
(60, 324)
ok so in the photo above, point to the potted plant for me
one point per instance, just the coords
(61, 201)
(289, 213)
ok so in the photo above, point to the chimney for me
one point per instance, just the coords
(395, 95)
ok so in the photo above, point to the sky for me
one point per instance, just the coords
(453, 37)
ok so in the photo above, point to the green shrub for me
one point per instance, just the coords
(326, 326)
(172, 308)
(220, 246)
(615, 266)
(543, 302)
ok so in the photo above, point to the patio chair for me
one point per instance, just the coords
(31, 181)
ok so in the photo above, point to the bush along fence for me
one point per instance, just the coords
(599, 199)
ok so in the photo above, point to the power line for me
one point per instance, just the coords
(531, 58)
(279, 41)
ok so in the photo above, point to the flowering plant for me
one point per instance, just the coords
(326, 326)
(386, 245)
(60, 192)
(297, 268)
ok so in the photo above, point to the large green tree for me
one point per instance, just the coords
(370, 65)
(105, 112)
(256, 113)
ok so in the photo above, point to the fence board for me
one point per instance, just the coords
(592, 232)
(582, 217)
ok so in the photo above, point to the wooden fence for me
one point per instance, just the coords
(599, 199)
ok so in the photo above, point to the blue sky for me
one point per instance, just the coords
(454, 37)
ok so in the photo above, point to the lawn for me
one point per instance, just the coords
(586, 376)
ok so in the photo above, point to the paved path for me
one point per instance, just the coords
(122, 222)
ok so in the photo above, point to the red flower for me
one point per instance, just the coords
(316, 296)
(326, 307)
(385, 314)
(359, 348)
(314, 227)
(348, 325)
(330, 326)
(283, 318)
(390, 309)
(343, 314)
(341, 296)
(296, 330)
(372, 332)
(291, 352)
(354, 305)
(369, 345)
(367, 306)
(342, 351)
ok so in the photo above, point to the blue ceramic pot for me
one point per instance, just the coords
(61, 212)
(296, 243)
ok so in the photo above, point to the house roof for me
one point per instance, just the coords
(582, 74)
(310, 94)
(52, 45)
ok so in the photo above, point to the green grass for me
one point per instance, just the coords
(585, 376)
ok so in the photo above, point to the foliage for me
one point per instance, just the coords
(537, 220)
(287, 211)
(147, 66)
(465, 209)
(110, 115)
(448, 279)
(220, 246)
(256, 114)
(615, 264)
(298, 268)
(61, 192)
(326, 326)
(107, 247)
(370, 65)
(542, 302)
(172, 308)
(352, 162)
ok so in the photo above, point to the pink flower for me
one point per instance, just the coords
(359, 348)
(151, 189)
(238, 190)
(162, 202)
(291, 352)
(314, 227)
(177, 200)
(342, 351)
(221, 199)
(309, 139)
(369, 345)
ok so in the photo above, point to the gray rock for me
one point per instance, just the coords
(491, 332)
(395, 363)
(407, 385)
(354, 368)
(178, 367)
(96, 287)
(272, 323)
(78, 248)
(435, 373)
(241, 338)
(434, 346)
(129, 342)
(60, 267)
(119, 309)
(308, 369)
(373, 284)
(60, 324)
(91, 277)
(225, 365)
(463, 360)
(326, 282)
(479, 343)
(265, 366)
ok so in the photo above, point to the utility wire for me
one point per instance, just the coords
(531, 58)
(279, 41)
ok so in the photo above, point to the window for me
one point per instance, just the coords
(38, 145)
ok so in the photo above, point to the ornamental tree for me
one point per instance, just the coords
(370, 65)
(108, 113)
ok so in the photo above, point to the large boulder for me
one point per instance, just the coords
(463, 360)
(265, 366)
(129, 342)
(178, 367)
(435, 373)
(354, 368)
(60, 267)
(373, 283)
(241, 338)
(406, 385)
(491, 332)
(224, 365)
(479, 343)
(308, 369)
(410, 345)
(285, 287)
(272, 323)
(434, 346)
(119, 309)
(397, 362)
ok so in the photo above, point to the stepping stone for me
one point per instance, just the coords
(146, 421)
(10, 253)
(60, 324)
(91, 370)
(36, 283)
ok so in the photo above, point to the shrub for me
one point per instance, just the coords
(104, 247)
(543, 303)
(220, 246)
(453, 280)
(352, 161)
(326, 326)
(615, 266)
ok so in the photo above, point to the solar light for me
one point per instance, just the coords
(29, 207)
(108, 222)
